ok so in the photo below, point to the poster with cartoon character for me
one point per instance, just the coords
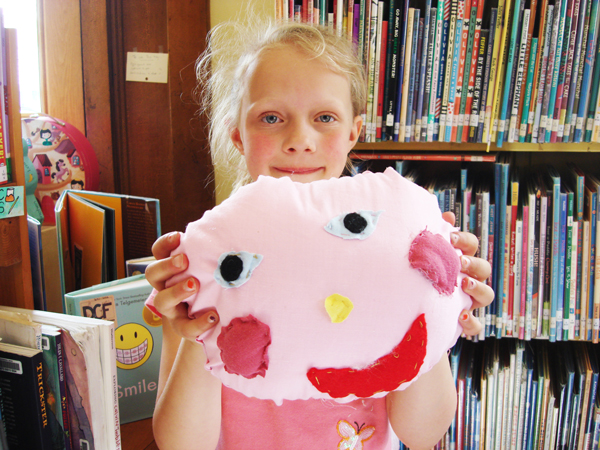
(138, 339)
(62, 157)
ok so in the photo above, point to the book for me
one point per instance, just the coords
(85, 243)
(89, 348)
(24, 409)
(56, 386)
(34, 229)
(138, 335)
(138, 266)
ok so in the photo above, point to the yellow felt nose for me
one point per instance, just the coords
(338, 307)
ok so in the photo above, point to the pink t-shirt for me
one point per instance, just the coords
(250, 423)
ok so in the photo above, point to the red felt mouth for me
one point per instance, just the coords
(386, 374)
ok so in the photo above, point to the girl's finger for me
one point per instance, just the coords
(165, 244)
(481, 293)
(168, 302)
(470, 324)
(465, 242)
(160, 271)
(477, 268)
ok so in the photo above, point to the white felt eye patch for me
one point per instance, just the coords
(354, 225)
(235, 268)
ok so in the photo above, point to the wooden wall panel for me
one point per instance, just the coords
(158, 153)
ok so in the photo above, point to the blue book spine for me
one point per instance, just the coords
(490, 310)
(486, 73)
(428, 75)
(508, 76)
(455, 59)
(556, 206)
(501, 318)
(587, 74)
(561, 266)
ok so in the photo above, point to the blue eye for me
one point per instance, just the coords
(235, 268)
(354, 225)
(271, 119)
(326, 118)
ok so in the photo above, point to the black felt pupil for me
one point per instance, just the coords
(355, 223)
(231, 267)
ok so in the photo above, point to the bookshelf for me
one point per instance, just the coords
(15, 266)
(493, 400)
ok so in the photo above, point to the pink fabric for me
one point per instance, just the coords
(252, 424)
(291, 239)
(436, 259)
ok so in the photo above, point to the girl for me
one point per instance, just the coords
(288, 105)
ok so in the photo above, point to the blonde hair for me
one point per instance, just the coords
(222, 72)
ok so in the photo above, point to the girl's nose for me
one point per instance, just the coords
(300, 139)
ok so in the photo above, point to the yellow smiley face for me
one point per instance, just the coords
(134, 345)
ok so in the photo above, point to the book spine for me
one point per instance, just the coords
(423, 74)
(433, 95)
(460, 137)
(516, 102)
(392, 67)
(569, 295)
(535, 129)
(594, 284)
(478, 87)
(592, 100)
(371, 58)
(414, 73)
(542, 263)
(528, 313)
(567, 91)
(378, 85)
(512, 46)
(561, 266)
(472, 71)
(497, 33)
(457, 119)
(555, 256)
(428, 77)
(587, 73)
(406, 74)
(551, 71)
(528, 91)
(447, 98)
(559, 73)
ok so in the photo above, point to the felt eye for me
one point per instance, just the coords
(235, 268)
(354, 225)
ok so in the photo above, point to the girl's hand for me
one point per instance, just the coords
(478, 270)
(168, 301)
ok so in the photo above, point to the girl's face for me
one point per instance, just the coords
(296, 118)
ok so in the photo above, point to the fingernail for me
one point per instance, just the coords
(190, 285)
(464, 317)
(468, 283)
(454, 238)
(178, 261)
(198, 340)
(212, 318)
(464, 262)
(172, 235)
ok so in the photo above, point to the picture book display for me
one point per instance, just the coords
(138, 339)
(98, 232)
(365, 260)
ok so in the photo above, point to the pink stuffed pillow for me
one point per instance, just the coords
(344, 288)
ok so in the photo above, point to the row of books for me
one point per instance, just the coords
(537, 227)
(58, 381)
(481, 71)
(525, 395)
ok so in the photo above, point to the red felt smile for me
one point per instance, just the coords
(386, 374)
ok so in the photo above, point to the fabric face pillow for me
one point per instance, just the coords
(343, 288)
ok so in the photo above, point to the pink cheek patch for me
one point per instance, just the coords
(243, 344)
(435, 258)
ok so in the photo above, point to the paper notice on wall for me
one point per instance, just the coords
(147, 67)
